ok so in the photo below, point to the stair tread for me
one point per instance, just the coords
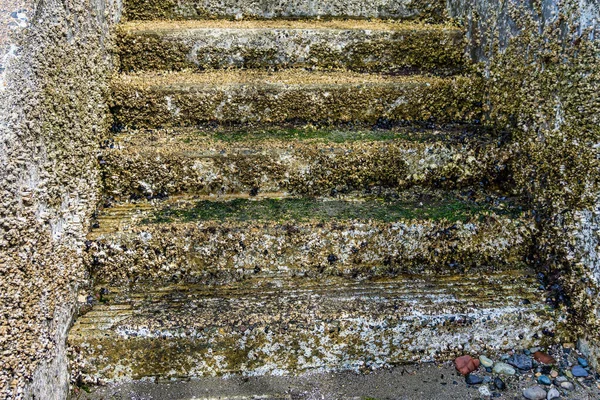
(287, 77)
(280, 301)
(191, 9)
(283, 209)
(187, 27)
(292, 325)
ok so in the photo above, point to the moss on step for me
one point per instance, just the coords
(183, 240)
(302, 210)
(153, 100)
(299, 161)
(373, 46)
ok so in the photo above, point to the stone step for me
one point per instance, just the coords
(368, 46)
(152, 99)
(183, 240)
(298, 9)
(297, 160)
(289, 326)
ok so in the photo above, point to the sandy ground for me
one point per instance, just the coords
(425, 381)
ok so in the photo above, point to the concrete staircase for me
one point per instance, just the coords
(296, 186)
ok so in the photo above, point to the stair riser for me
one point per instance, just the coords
(300, 332)
(440, 100)
(357, 50)
(170, 166)
(254, 9)
(221, 252)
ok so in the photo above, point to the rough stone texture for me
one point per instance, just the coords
(175, 242)
(373, 46)
(288, 326)
(258, 9)
(310, 162)
(52, 90)
(542, 59)
(152, 100)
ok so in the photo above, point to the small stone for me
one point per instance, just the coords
(560, 379)
(578, 371)
(569, 374)
(499, 383)
(488, 369)
(567, 385)
(553, 393)
(503, 368)
(521, 361)
(534, 393)
(485, 391)
(487, 379)
(543, 358)
(466, 364)
(544, 380)
(473, 379)
(568, 345)
(582, 361)
(486, 362)
(554, 373)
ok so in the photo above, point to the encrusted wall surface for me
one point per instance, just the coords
(54, 57)
(542, 61)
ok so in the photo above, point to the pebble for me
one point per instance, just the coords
(485, 391)
(534, 393)
(561, 379)
(521, 361)
(567, 385)
(486, 362)
(553, 394)
(569, 374)
(554, 373)
(543, 358)
(499, 383)
(582, 361)
(544, 380)
(578, 371)
(503, 368)
(473, 379)
(466, 364)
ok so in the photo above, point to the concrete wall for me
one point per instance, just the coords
(55, 62)
(542, 61)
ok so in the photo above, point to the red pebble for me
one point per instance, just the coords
(543, 358)
(466, 364)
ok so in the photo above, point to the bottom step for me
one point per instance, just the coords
(279, 327)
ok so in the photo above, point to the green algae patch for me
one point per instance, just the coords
(373, 46)
(299, 161)
(301, 210)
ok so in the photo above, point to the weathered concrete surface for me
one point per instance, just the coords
(298, 161)
(257, 9)
(373, 46)
(52, 104)
(543, 63)
(431, 381)
(212, 241)
(152, 100)
(286, 326)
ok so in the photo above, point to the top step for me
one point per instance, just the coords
(269, 9)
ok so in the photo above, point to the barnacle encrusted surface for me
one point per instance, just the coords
(284, 326)
(310, 161)
(370, 46)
